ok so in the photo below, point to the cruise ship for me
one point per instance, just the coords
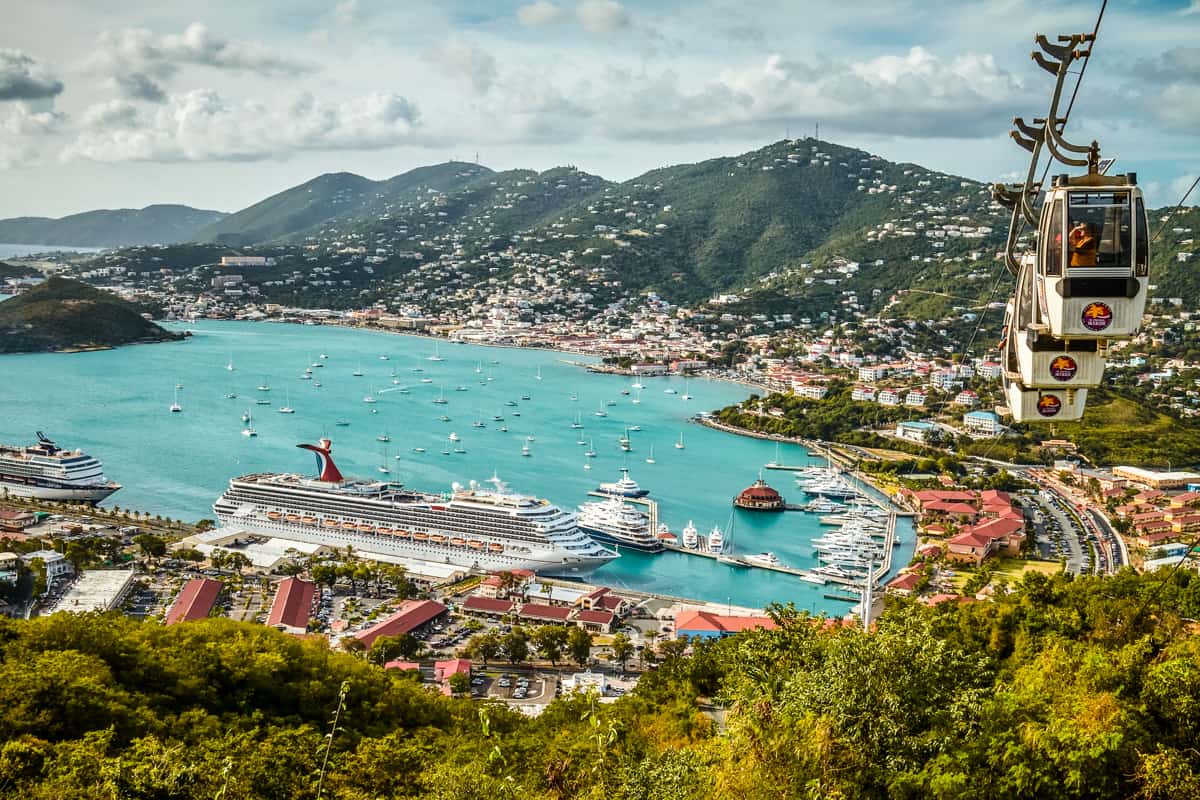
(619, 523)
(48, 472)
(471, 527)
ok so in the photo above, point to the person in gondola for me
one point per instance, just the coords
(1083, 245)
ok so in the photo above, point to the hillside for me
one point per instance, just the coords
(62, 314)
(157, 224)
(1084, 688)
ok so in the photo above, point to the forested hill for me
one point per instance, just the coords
(158, 224)
(62, 314)
(1066, 689)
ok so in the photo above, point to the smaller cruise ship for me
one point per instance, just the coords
(625, 487)
(619, 523)
(48, 472)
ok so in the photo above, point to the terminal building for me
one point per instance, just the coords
(195, 601)
(1157, 480)
(96, 590)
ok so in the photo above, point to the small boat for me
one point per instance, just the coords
(525, 450)
(460, 449)
(179, 386)
(418, 369)
(625, 392)
(383, 358)
(316, 384)
(262, 401)
(524, 397)
(342, 423)
(309, 520)
(245, 416)
(479, 368)
(457, 541)
(249, 429)
(573, 397)
(587, 465)
(304, 376)
(370, 398)
(650, 458)
(441, 398)
(384, 531)
(460, 388)
(670, 391)
(322, 356)
(418, 450)
(263, 387)
(349, 526)
(274, 514)
(443, 418)
(679, 444)
(635, 428)
(516, 413)
(453, 437)
(286, 408)
(475, 544)
(763, 560)
(636, 385)
(510, 403)
(330, 523)
(358, 373)
(229, 366)
(175, 407)
(497, 418)
(426, 380)
(383, 437)
(539, 374)
(577, 424)
(685, 396)
(437, 538)
(624, 441)
(495, 547)
(591, 451)
(610, 403)
(231, 396)
(504, 429)
(436, 355)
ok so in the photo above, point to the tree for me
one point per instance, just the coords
(459, 684)
(326, 574)
(622, 649)
(579, 645)
(151, 546)
(484, 646)
(550, 641)
(516, 645)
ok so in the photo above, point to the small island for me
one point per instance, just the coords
(62, 315)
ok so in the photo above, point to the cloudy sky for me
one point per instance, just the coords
(219, 104)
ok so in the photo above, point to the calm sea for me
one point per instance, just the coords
(17, 250)
(114, 404)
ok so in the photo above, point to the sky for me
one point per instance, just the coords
(220, 104)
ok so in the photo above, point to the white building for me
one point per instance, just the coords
(96, 590)
(872, 373)
(809, 391)
(981, 423)
(585, 682)
(56, 563)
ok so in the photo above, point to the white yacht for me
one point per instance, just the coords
(619, 523)
(716, 541)
(625, 487)
(691, 539)
(763, 560)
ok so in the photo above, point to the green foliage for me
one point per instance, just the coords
(62, 313)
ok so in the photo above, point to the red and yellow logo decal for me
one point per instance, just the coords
(1063, 368)
(1048, 405)
(1097, 316)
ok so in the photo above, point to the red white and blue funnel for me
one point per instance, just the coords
(326, 469)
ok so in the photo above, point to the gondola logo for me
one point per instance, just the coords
(1048, 405)
(1097, 316)
(1063, 368)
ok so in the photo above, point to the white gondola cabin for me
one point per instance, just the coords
(1093, 257)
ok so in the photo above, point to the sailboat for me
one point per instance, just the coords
(479, 368)
(685, 396)
(637, 385)
(624, 441)
(245, 416)
(600, 412)
(774, 462)
(436, 355)
(576, 424)
(637, 401)
(249, 429)
(231, 395)
(383, 467)
(358, 373)
(229, 366)
(650, 458)
(591, 451)
(286, 408)
(175, 407)
(383, 437)
(264, 387)
(441, 398)
(679, 444)
(478, 423)
(539, 374)
(525, 450)
(370, 397)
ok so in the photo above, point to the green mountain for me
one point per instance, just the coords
(157, 224)
(62, 314)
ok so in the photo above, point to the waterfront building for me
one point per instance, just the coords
(195, 601)
(293, 605)
(1003, 536)
(1156, 480)
(708, 625)
(759, 497)
(57, 565)
(412, 616)
(487, 606)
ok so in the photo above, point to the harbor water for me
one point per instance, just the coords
(114, 405)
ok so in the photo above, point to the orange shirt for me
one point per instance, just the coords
(1083, 248)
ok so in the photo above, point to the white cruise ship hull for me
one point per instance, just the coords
(545, 562)
(77, 494)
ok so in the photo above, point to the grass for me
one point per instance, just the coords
(1010, 569)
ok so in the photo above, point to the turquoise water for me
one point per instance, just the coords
(114, 404)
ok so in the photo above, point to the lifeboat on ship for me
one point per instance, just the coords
(309, 520)
(420, 536)
(274, 515)
(384, 531)
(330, 523)
(437, 538)
(348, 526)
(475, 544)
(495, 547)
(292, 517)
(403, 534)
(458, 541)
(365, 528)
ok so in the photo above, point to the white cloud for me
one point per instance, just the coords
(602, 16)
(465, 61)
(348, 12)
(201, 125)
(22, 78)
(138, 50)
(24, 121)
(543, 12)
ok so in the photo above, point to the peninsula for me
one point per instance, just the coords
(61, 314)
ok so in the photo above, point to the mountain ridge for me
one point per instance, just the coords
(160, 223)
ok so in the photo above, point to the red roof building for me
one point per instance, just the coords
(759, 497)
(444, 670)
(196, 601)
(412, 615)
(904, 584)
(476, 604)
(536, 612)
(708, 625)
(292, 607)
(402, 666)
(597, 621)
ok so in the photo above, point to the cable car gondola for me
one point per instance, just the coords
(1085, 284)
